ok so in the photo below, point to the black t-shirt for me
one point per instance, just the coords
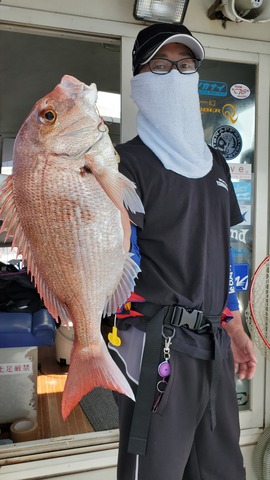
(184, 234)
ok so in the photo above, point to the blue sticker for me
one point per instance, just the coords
(241, 276)
(242, 191)
(240, 252)
(215, 89)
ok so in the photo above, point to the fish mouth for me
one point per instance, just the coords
(72, 83)
(87, 128)
(75, 87)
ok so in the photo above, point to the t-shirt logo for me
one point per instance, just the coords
(222, 183)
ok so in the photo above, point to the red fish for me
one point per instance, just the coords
(64, 205)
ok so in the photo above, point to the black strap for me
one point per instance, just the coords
(147, 383)
(216, 372)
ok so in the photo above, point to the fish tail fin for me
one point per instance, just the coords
(86, 373)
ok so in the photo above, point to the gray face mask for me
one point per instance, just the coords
(169, 121)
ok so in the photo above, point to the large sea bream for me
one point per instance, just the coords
(64, 205)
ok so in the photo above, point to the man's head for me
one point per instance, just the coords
(151, 39)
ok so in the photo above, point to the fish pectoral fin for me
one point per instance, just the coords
(126, 229)
(131, 199)
(124, 288)
(119, 188)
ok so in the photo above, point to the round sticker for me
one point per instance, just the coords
(228, 141)
(240, 91)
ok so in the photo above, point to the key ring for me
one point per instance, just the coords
(162, 383)
(168, 342)
(168, 327)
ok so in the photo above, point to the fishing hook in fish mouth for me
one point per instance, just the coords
(101, 126)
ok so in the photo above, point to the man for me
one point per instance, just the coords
(175, 351)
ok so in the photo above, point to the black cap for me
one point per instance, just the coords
(152, 38)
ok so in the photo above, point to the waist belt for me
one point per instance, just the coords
(173, 316)
(181, 317)
(178, 316)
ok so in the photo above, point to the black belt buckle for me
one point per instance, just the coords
(182, 317)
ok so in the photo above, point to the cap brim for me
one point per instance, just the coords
(194, 45)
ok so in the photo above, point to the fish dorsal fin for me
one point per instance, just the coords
(124, 287)
(13, 227)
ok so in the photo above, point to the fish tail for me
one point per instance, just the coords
(86, 373)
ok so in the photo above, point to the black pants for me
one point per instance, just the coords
(181, 444)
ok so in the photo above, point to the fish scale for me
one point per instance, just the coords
(64, 206)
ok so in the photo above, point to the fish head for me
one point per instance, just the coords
(65, 123)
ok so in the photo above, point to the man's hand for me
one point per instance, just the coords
(242, 348)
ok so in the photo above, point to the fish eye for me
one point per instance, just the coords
(48, 116)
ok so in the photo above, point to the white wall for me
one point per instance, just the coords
(121, 11)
